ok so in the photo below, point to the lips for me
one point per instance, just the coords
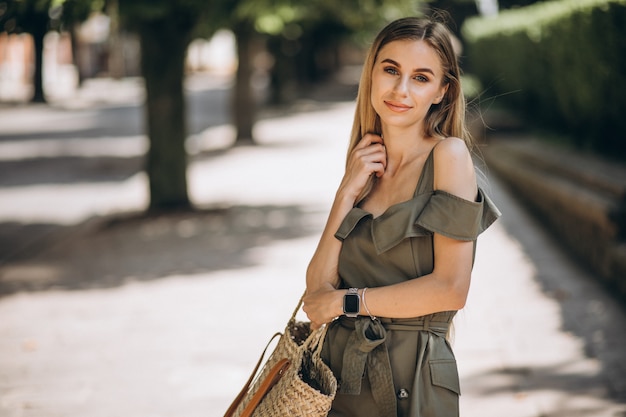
(397, 107)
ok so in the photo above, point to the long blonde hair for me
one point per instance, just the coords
(442, 120)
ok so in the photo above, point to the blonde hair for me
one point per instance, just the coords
(442, 120)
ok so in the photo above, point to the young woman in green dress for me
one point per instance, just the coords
(393, 264)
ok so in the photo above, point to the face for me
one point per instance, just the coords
(406, 81)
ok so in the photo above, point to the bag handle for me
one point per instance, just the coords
(316, 338)
(233, 407)
(295, 312)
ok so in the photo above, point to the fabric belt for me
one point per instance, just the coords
(366, 347)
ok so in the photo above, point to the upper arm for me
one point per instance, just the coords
(454, 169)
(454, 173)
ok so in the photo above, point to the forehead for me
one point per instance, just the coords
(411, 54)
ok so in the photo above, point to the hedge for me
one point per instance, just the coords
(561, 64)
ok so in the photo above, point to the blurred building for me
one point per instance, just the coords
(64, 67)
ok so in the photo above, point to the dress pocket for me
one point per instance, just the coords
(444, 373)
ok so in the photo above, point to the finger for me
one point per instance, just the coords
(375, 137)
(377, 169)
(373, 156)
(369, 139)
(371, 148)
(374, 152)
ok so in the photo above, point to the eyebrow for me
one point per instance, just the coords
(392, 62)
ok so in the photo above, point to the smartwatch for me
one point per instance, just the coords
(351, 303)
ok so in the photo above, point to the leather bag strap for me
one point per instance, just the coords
(276, 373)
(231, 410)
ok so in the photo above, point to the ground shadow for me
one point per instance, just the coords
(524, 381)
(68, 170)
(93, 169)
(109, 252)
(206, 108)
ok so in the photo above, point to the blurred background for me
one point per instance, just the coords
(166, 169)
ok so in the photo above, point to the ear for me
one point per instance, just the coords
(442, 94)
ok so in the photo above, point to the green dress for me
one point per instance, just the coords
(399, 367)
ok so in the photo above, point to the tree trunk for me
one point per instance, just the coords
(116, 53)
(283, 74)
(163, 49)
(76, 54)
(244, 104)
(38, 34)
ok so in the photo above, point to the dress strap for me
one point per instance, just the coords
(426, 180)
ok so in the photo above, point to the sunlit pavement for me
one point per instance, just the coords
(182, 342)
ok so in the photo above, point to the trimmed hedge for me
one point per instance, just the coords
(560, 63)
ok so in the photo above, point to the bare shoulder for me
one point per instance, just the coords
(451, 148)
(454, 169)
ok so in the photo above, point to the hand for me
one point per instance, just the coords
(323, 305)
(368, 158)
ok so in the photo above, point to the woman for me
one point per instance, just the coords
(395, 258)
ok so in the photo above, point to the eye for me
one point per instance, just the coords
(391, 70)
(421, 78)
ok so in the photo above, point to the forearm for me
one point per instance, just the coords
(322, 269)
(444, 289)
(418, 297)
(414, 298)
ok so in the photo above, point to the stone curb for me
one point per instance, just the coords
(581, 198)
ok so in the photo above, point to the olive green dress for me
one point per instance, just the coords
(399, 367)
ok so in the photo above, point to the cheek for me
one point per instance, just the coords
(376, 93)
(426, 95)
(377, 86)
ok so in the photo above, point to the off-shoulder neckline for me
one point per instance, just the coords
(418, 187)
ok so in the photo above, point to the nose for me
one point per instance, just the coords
(401, 86)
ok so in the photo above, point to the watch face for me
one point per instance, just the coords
(351, 303)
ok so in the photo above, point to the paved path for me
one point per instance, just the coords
(165, 317)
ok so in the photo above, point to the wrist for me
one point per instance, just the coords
(346, 197)
(336, 305)
(351, 303)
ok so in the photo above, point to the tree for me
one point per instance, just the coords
(244, 105)
(116, 56)
(29, 17)
(165, 31)
(239, 16)
(74, 12)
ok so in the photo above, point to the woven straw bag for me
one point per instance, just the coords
(294, 381)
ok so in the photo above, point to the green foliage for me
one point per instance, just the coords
(304, 36)
(17, 16)
(207, 15)
(272, 17)
(77, 11)
(139, 11)
(28, 16)
(560, 63)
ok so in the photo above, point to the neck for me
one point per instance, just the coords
(403, 146)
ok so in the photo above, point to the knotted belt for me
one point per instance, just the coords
(366, 346)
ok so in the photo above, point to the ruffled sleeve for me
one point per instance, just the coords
(425, 214)
(349, 222)
(456, 217)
